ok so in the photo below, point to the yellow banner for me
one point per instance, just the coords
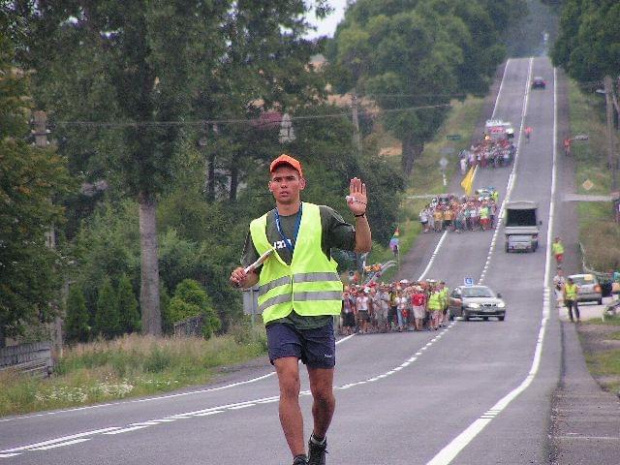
(468, 181)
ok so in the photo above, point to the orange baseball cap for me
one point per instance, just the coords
(285, 159)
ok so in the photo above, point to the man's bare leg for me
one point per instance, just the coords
(291, 419)
(324, 402)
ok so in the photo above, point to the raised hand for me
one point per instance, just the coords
(357, 199)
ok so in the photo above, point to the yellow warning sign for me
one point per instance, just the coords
(587, 184)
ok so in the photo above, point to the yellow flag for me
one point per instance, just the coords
(468, 181)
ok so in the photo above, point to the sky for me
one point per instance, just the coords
(328, 25)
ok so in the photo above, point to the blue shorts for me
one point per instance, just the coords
(314, 347)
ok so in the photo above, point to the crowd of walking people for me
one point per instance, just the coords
(394, 307)
(493, 153)
(466, 213)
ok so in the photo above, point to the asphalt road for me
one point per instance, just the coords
(474, 393)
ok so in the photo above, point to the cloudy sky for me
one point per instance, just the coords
(328, 25)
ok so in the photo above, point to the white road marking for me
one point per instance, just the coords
(432, 260)
(62, 444)
(449, 452)
(146, 399)
(128, 429)
(57, 440)
(513, 173)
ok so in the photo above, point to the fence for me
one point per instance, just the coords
(35, 358)
(189, 327)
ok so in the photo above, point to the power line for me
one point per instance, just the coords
(203, 123)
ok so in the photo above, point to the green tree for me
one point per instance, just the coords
(190, 300)
(413, 57)
(76, 324)
(107, 246)
(588, 45)
(147, 67)
(127, 306)
(30, 178)
(107, 317)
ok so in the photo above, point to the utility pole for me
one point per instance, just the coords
(611, 146)
(40, 133)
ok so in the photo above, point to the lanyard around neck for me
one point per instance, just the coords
(287, 241)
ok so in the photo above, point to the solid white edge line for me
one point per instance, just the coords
(435, 252)
(449, 452)
(513, 172)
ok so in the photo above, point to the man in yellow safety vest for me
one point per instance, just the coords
(570, 299)
(299, 293)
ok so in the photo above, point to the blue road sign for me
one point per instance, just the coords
(468, 281)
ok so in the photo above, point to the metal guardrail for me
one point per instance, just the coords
(587, 269)
(35, 358)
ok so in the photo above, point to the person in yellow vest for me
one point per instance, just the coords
(558, 251)
(299, 293)
(435, 307)
(570, 299)
(445, 299)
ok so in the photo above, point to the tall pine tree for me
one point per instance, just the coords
(107, 318)
(76, 324)
(127, 306)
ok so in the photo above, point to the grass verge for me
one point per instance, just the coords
(130, 366)
(601, 342)
(599, 233)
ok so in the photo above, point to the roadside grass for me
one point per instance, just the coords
(605, 365)
(130, 366)
(599, 234)
(426, 178)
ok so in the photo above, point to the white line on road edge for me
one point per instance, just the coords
(150, 399)
(54, 441)
(448, 453)
(513, 173)
(430, 262)
(62, 444)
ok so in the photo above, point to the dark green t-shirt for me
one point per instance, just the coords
(336, 234)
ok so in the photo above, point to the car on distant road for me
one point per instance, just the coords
(485, 193)
(589, 288)
(476, 302)
(539, 83)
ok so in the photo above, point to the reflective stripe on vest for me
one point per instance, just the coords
(310, 284)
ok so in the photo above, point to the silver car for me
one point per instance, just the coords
(589, 289)
(476, 302)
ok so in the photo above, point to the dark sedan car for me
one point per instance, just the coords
(539, 83)
(476, 302)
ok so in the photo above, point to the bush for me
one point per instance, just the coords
(191, 300)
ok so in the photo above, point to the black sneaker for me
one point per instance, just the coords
(317, 451)
(300, 460)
